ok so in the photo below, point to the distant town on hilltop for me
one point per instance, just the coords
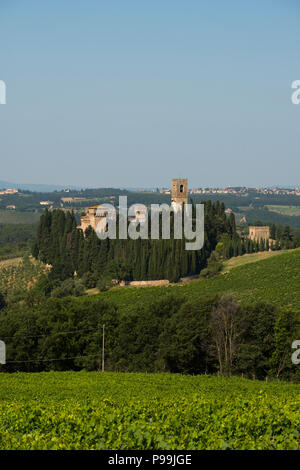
(11, 188)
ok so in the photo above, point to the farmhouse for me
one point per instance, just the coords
(46, 203)
(67, 200)
(9, 191)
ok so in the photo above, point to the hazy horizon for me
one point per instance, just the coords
(48, 187)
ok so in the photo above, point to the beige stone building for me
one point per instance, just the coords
(179, 190)
(95, 215)
(46, 203)
(9, 191)
(67, 200)
(257, 233)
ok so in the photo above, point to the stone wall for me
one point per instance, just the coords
(161, 282)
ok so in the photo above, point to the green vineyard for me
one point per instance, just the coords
(19, 274)
(68, 410)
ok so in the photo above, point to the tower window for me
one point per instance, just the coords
(181, 188)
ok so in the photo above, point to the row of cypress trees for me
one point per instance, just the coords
(69, 251)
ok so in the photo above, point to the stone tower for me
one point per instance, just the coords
(179, 191)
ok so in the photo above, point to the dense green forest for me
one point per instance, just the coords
(166, 334)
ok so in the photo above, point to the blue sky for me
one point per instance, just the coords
(132, 93)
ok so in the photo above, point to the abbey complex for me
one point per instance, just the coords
(95, 216)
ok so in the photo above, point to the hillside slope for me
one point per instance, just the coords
(275, 280)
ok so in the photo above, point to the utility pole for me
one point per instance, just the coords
(103, 329)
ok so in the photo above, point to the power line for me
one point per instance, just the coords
(55, 359)
(62, 358)
(51, 334)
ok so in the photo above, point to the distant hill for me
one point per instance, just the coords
(40, 188)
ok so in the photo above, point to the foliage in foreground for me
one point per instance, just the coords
(146, 411)
(168, 334)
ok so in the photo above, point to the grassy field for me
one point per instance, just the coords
(18, 217)
(10, 262)
(274, 279)
(285, 210)
(69, 410)
(251, 258)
